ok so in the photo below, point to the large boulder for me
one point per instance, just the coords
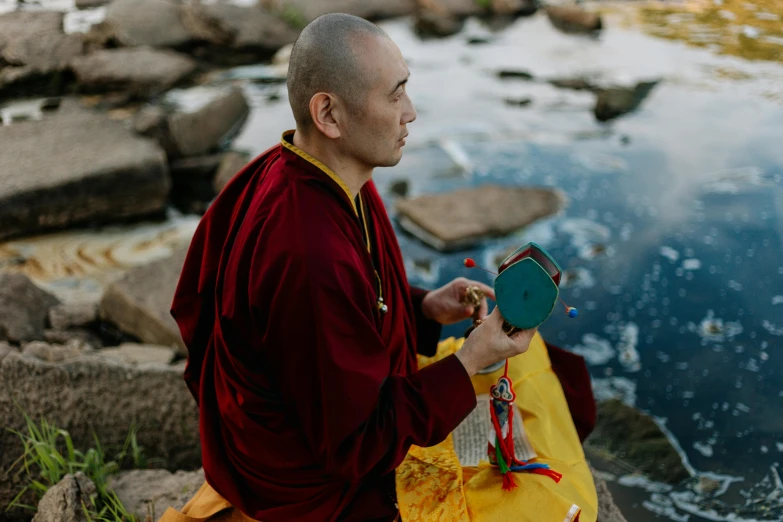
(75, 167)
(23, 308)
(456, 8)
(155, 23)
(142, 71)
(573, 19)
(253, 29)
(633, 438)
(33, 49)
(199, 132)
(65, 501)
(140, 302)
(92, 395)
(616, 101)
(150, 492)
(300, 12)
(230, 165)
(463, 217)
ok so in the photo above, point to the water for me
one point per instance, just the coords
(672, 240)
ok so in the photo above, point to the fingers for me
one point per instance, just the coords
(522, 339)
(483, 309)
(485, 289)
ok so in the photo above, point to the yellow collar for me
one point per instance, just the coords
(326, 170)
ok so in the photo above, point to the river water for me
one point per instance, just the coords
(672, 240)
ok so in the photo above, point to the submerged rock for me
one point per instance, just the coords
(23, 308)
(65, 501)
(574, 19)
(461, 218)
(617, 101)
(147, 493)
(142, 71)
(75, 167)
(632, 437)
(140, 301)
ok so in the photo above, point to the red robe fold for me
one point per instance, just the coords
(308, 395)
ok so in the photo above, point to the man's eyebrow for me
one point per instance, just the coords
(401, 82)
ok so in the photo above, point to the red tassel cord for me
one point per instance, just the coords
(502, 455)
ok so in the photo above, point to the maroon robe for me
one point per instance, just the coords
(309, 396)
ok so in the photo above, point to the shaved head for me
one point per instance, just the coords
(325, 58)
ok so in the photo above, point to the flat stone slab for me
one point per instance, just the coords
(142, 71)
(23, 308)
(145, 491)
(139, 303)
(74, 167)
(140, 353)
(156, 23)
(463, 217)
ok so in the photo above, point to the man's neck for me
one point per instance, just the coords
(350, 172)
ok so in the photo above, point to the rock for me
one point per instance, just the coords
(23, 308)
(514, 7)
(573, 19)
(254, 29)
(140, 353)
(55, 352)
(140, 301)
(66, 315)
(142, 71)
(507, 74)
(617, 101)
(633, 438)
(201, 25)
(155, 23)
(198, 167)
(575, 84)
(63, 175)
(5, 349)
(231, 163)
(463, 217)
(80, 335)
(429, 23)
(97, 396)
(147, 493)
(607, 509)
(64, 501)
(192, 178)
(149, 121)
(89, 4)
(400, 188)
(34, 48)
(301, 12)
(518, 102)
(456, 8)
(202, 131)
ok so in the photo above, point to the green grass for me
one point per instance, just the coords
(49, 455)
(484, 4)
(293, 17)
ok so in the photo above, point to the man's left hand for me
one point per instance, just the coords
(445, 305)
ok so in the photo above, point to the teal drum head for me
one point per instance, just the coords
(526, 293)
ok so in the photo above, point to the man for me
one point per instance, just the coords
(293, 302)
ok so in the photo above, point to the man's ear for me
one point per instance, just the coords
(326, 114)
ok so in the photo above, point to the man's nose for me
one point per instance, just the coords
(409, 114)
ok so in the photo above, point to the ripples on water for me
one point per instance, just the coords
(672, 242)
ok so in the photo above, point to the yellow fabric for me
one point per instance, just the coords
(206, 504)
(432, 486)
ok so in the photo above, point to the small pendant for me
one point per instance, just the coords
(381, 306)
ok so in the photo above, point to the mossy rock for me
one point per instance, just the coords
(634, 441)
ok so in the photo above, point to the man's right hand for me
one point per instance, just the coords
(489, 344)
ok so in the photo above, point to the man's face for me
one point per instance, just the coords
(375, 131)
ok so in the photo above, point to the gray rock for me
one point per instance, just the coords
(148, 493)
(574, 19)
(463, 217)
(300, 12)
(429, 23)
(81, 335)
(149, 121)
(196, 167)
(575, 84)
(200, 132)
(5, 349)
(514, 7)
(63, 175)
(79, 313)
(254, 29)
(63, 501)
(55, 352)
(156, 23)
(89, 4)
(34, 47)
(231, 163)
(607, 509)
(627, 436)
(94, 394)
(617, 101)
(139, 303)
(142, 71)
(140, 353)
(23, 308)
(515, 74)
(456, 8)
